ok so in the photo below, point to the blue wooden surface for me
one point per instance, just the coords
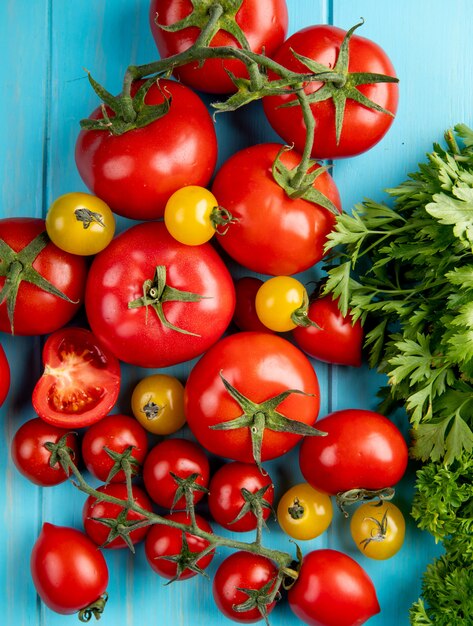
(45, 46)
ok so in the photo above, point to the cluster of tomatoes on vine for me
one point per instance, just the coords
(160, 294)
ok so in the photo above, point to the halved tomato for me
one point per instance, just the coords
(80, 382)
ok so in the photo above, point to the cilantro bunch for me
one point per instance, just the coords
(405, 269)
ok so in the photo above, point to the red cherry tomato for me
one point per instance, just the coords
(93, 509)
(116, 433)
(80, 381)
(4, 376)
(165, 541)
(332, 590)
(68, 570)
(335, 339)
(245, 316)
(32, 458)
(174, 456)
(362, 450)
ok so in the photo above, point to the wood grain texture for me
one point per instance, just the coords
(45, 46)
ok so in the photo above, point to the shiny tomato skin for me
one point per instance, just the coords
(332, 590)
(260, 366)
(117, 433)
(68, 570)
(226, 500)
(362, 127)
(241, 570)
(93, 509)
(80, 381)
(36, 311)
(264, 23)
(245, 316)
(335, 339)
(4, 375)
(136, 335)
(274, 234)
(30, 456)
(362, 450)
(136, 172)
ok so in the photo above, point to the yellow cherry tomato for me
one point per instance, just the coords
(277, 300)
(80, 223)
(378, 529)
(304, 513)
(157, 403)
(188, 215)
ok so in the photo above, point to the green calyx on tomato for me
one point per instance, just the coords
(185, 560)
(156, 292)
(185, 489)
(122, 461)
(18, 267)
(95, 609)
(259, 416)
(254, 503)
(120, 528)
(259, 599)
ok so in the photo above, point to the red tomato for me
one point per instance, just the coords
(80, 382)
(135, 173)
(335, 339)
(332, 590)
(68, 570)
(93, 509)
(4, 375)
(362, 127)
(245, 316)
(165, 541)
(226, 501)
(117, 433)
(125, 273)
(242, 570)
(273, 234)
(362, 450)
(181, 457)
(260, 366)
(37, 312)
(264, 24)
(32, 458)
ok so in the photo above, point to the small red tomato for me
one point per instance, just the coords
(93, 509)
(165, 541)
(227, 502)
(4, 376)
(117, 433)
(335, 339)
(32, 458)
(68, 570)
(182, 458)
(245, 316)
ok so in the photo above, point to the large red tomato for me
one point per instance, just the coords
(263, 22)
(45, 284)
(4, 376)
(136, 172)
(362, 127)
(332, 590)
(145, 315)
(362, 450)
(273, 234)
(259, 367)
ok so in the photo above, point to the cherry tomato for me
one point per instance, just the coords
(264, 25)
(273, 233)
(114, 513)
(188, 215)
(157, 403)
(334, 338)
(4, 375)
(80, 223)
(227, 502)
(277, 302)
(245, 316)
(68, 570)
(332, 590)
(80, 381)
(378, 529)
(182, 458)
(239, 571)
(165, 541)
(304, 513)
(362, 450)
(115, 433)
(136, 172)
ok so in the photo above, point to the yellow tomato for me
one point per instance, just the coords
(80, 223)
(304, 513)
(157, 403)
(277, 300)
(378, 529)
(188, 215)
